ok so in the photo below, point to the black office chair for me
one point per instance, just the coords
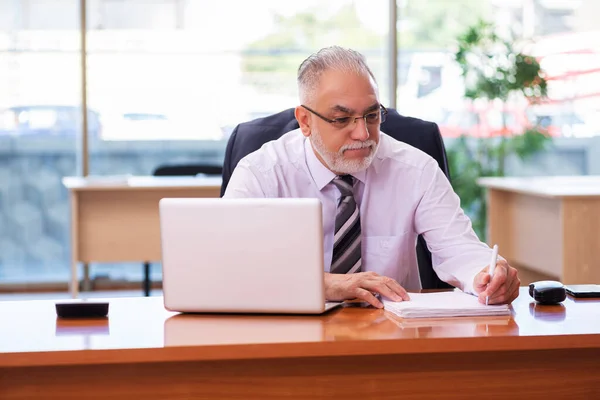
(178, 170)
(250, 136)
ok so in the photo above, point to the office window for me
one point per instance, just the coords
(167, 81)
(562, 37)
(193, 70)
(180, 75)
(39, 122)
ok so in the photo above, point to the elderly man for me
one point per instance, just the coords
(378, 194)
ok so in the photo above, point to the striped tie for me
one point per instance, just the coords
(346, 242)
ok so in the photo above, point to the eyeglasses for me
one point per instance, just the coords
(372, 118)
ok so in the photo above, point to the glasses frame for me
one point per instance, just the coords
(352, 120)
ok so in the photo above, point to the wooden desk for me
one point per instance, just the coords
(116, 219)
(142, 351)
(547, 224)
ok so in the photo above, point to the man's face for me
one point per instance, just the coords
(344, 149)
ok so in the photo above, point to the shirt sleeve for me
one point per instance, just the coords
(457, 253)
(244, 183)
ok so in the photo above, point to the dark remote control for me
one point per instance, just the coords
(82, 309)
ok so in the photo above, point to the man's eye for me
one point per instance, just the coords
(372, 117)
(341, 121)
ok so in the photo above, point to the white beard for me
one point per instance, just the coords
(336, 161)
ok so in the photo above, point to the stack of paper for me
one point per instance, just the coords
(443, 304)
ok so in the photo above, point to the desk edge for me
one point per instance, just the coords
(298, 350)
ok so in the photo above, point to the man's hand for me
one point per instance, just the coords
(362, 285)
(504, 286)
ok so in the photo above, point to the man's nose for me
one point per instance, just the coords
(359, 129)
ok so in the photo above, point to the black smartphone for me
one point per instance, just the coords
(583, 291)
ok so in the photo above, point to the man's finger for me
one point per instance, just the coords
(499, 296)
(511, 292)
(379, 286)
(515, 293)
(482, 279)
(397, 288)
(497, 280)
(368, 297)
(398, 292)
(508, 292)
(511, 296)
(506, 297)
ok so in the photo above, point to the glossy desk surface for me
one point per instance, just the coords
(140, 330)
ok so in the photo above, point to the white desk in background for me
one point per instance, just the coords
(547, 224)
(115, 219)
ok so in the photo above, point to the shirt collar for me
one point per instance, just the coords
(319, 172)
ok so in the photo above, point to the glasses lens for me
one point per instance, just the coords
(341, 123)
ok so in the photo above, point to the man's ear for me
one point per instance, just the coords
(303, 118)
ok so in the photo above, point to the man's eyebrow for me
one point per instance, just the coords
(343, 109)
(374, 107)
(347, 110)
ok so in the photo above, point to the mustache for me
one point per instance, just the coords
(358, 145)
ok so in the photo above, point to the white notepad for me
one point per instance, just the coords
(443, 304)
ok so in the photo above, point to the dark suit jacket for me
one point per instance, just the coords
(250, 136)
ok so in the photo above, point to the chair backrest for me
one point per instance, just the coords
(249, 136)
(188, 169)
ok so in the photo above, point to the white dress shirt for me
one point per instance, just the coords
(401, 195)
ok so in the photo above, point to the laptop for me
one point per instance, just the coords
(243, 255)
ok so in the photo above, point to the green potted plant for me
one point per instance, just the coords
(496, 75)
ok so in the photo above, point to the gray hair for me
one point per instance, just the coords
(329, 58)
